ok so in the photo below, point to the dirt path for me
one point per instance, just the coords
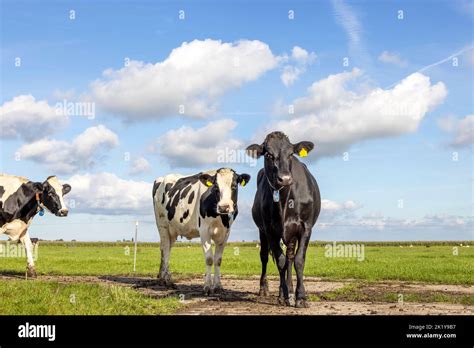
(328, 297)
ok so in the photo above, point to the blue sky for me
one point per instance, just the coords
(398, 112)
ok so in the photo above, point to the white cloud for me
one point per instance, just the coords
(67, 157)
(329, 205)
(462, 130)
(26, 118)
(194, 75)
(345, 225)
(139, 165)
(392, 58)
(380, 222)
(332, 210)
(334, 117)
(300, 59)
(290, 74)
(301, 55)
(189, 147)
(105, 193)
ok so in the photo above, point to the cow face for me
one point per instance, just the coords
(224, 184)
(278, 153)
(52, 196)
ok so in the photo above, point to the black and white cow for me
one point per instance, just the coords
(202, 205)
(20, 200)
(286, 207)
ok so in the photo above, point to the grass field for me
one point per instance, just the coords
(434, 264)
(421, 262)
(54, 298)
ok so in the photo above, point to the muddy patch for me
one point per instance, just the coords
(348, 297)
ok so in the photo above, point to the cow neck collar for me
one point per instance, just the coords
(273, 188)
(276, 192)
(38, 202)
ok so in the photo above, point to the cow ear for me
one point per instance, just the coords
(255, 150)
(66, 189)
(303, 148)
(207, 179)
(243, 179)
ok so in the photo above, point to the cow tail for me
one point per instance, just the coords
(272, 255)
(156, 185)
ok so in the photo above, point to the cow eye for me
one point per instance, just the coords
(269, 155)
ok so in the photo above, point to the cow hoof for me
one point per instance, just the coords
(166, 282)
(264, 292)
(291, 300)
(301, 303)
(31, 272)
(283, 302)
(207, 290)
(217, 290)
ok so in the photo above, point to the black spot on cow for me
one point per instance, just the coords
(185, 215)
(171, 207)
(2, 191)
(168, 187)
(209, 200)
(156, 185)
(185, 191)
(225, 220)
(199, 222)
(177, 190)
(21, 204)
(163, 199)
(191, 197)
(208, 206)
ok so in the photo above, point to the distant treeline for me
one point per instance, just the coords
(254, 243)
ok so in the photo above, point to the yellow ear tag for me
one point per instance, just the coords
(243, 183)
(303, 152)
(208, 183)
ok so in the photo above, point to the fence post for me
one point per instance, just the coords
(135, 251)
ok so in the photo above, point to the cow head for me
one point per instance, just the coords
(278, 153)
(225, 185)
(52, 193)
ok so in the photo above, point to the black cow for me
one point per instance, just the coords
(20, 200)
(286, 207)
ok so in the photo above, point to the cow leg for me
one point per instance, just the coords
(290, 256)
(26, 241)
(217, 286)
(299, 266)
(207, 248)
(164, 276)
(264, 260)
(282, 265)
(18, 230)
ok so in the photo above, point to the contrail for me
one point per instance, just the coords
(466, 49)
(347, 18)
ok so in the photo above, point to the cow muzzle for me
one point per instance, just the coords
(284, 180)
(224, 209)
(62, 212)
